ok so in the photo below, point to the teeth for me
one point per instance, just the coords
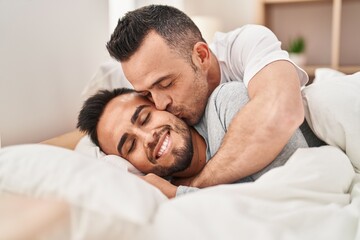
(164, 146)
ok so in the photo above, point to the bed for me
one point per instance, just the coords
(315, 195)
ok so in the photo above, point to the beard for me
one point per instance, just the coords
(193, 111)
(182, 155)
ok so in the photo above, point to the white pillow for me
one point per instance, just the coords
(109, 76)
(332, 109)
(86, 146)
(106, 202)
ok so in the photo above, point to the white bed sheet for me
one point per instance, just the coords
(308, 198)
(315, 195)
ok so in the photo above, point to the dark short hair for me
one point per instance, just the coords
(178, 30)
(93, 109)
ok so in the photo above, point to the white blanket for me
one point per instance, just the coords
(310, 197)
(307, 198)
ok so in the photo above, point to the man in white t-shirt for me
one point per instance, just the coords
(165, 58)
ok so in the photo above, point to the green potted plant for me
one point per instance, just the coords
(296, 51)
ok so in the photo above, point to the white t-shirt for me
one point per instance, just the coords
(245, 51)
(241, 54)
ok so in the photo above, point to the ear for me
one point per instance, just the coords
(201, 55)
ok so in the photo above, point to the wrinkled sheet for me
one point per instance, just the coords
(316, 195)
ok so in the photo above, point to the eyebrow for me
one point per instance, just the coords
(133, 119)
(121, 143)
(136, 114)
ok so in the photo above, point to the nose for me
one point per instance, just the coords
(162, 101)
(146, 136)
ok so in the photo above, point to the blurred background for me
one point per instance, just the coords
(50, 50)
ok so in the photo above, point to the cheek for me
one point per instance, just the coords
(140, 161)
(184, 94)
(195, 84)
(159, 119)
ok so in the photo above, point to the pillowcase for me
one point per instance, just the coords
(109, 76)
(105, 202)
(332, 109)
(87, 147)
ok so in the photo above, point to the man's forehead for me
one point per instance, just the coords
(129, 101)
(117, 110)
(127, 97)
(144, 80)
(117, 115)
(150, 62)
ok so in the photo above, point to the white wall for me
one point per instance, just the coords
(49, 50)
(231, 13)
(117, 9)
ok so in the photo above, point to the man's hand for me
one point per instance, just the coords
(183, 181)
(67, 140)
(163, 185)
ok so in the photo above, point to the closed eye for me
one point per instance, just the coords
(146, 119)
(132, 146)
(165, 84)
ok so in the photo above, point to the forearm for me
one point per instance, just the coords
(68, 140)
(256, 134)
(241, 155)
(163, 185)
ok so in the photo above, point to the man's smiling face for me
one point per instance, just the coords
(153, 141)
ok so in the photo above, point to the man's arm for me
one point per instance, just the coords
(163, 185)
(68, 140)
(266, 123)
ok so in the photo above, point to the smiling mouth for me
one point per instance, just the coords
(163, 145)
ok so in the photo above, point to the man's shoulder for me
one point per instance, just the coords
(225, 101)
(245, 30)
(228, 91)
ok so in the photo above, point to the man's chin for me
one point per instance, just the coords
(191, 121)
(176, 170)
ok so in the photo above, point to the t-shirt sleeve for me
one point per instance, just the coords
(181, 190)
(255, 47)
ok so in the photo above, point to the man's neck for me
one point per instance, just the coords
(214, 73)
